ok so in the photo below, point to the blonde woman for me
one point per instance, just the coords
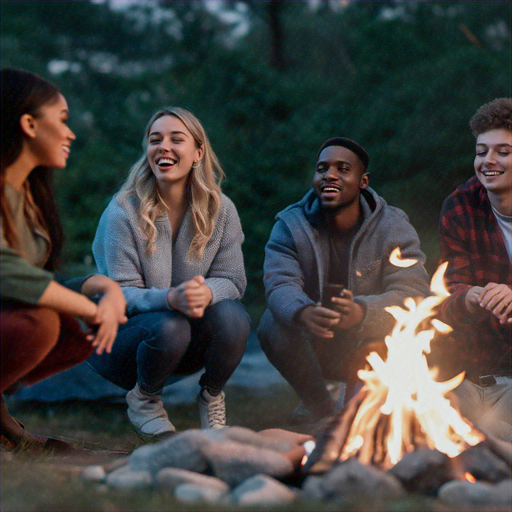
(173, 242)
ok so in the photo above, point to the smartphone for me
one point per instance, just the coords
(331, 290)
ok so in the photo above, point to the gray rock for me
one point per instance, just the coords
(482, 463)
(195, 493)
(423, 471)
(235, 462)
(281, 441)
(351, 482)
(126, 478)
(94, 474)
(262, 490)
(180, 451)
(169, 478)
(459, 493)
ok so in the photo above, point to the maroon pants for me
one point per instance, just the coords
(36, 343)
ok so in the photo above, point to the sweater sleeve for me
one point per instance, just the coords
(20, 280)
(117, 256)
(398, 283)
(283, 276)
(226, 275)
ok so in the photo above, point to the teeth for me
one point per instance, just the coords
(329, 189)
(166, 161)
(492, 173)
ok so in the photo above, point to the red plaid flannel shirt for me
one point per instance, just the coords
(472, 243)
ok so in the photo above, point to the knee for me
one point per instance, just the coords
(41, 326)
(174, 332)
(230, 318)
(273, 337)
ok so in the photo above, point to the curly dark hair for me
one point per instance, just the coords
(495, 115)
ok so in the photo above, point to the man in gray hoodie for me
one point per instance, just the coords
(340, 233)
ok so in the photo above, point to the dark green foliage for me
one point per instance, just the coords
(403, 78)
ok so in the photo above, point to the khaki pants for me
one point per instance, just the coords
(489, 408)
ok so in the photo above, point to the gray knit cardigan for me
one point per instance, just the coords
(119, 249)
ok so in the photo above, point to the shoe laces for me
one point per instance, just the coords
(217, 412)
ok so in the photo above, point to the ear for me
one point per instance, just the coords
(365, 180)
(28, 125)
(200, 153)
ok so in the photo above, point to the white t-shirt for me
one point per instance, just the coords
(505, 224)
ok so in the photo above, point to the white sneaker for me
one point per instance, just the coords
(212, 410)
(147, 414)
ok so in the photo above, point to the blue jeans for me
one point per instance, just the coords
(157, 348)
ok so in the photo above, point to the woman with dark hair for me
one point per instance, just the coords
(40, 333)
(173, 242)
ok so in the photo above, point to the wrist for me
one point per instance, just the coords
(171, 294)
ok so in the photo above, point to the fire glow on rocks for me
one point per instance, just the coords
(401, 407)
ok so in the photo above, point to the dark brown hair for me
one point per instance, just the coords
(25, 93)
(495, 115)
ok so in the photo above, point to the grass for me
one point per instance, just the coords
(51, 483)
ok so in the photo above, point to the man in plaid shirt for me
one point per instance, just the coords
(475, 237)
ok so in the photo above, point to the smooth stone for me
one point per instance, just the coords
(169, 478)
(180, 451)
(126, 478)
(194, 493)
(235, 462)
(477, 494)
(351, 483)
(94, 474)
(262, 490)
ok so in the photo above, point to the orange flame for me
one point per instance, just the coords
(403, 386)
(469, 477)
(395, 258)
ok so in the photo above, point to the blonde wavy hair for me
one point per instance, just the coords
(203, 190)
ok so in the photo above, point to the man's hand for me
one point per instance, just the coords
(319, 321)
(352, 313)
(472, 299)
(191, 297)
(497, 298)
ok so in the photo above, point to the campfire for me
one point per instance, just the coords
(400, 407)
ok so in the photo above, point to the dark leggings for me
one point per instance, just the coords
(155, 348)
(37, 343)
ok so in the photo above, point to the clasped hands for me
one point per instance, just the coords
(495, 298)
(191, 297)
(323, 322)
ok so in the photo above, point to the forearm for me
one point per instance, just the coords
(63, 300)
(97, 285)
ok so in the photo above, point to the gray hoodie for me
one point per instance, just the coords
(297, 258)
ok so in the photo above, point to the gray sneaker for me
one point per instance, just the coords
(212, 410)
(148, 415)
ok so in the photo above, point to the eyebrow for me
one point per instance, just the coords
(501, 144)
(172, 133)
(325, 162)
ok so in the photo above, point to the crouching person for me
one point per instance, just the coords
(340, 233)
(475, 234)
(173, 242)
(40, 332)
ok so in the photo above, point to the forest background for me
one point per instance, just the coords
(270, 80)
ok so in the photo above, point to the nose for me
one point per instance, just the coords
(490, 157)
(71, 135)
(331, 173)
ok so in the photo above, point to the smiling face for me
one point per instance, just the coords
(493, 161)
(339, 178)
(171, 151)
(50, 136)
